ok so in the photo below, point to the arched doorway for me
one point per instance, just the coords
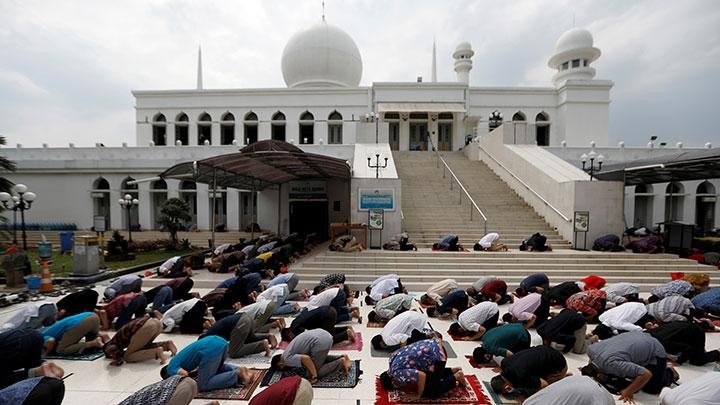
(705, 206)
(204, 129)
(674, 202)
(188, 193)
(182, 128)
(643, 206)
(335, 128)
(227, 129)
(158, 195)
(307, 128)
(445, 131)
(542, 129)
(100, 194)
(277, 126)
(250, 128)
(131, 189)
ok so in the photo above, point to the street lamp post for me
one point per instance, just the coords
(127, 203)
(592, 156)
(21, 201)
(377, 165)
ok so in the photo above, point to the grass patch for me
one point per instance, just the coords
(63, 264)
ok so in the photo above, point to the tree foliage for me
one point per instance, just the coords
(173, 214)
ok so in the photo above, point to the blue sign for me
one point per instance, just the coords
(372, 199)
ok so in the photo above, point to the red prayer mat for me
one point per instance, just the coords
(475, 364)
(472, 394)
(358, 345)
(237, 393)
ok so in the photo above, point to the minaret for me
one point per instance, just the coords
(434, 64)
(199, 70)
(463, 62)
(574, 52)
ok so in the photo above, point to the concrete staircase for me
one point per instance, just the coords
(432, 210)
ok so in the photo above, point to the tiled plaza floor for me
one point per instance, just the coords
(97, 382)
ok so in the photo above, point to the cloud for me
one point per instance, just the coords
(73, 63)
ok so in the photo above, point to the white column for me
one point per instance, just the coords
(203, 207)
(173, 188)
(433, 129)
(193, 133)
(233, 209)
(264, 131)
(115, 210)
(320, 131)
(145, 207)
(658, 203)
(292, 132)
(215, 133)
(170, 134)
(239, 133)
(404, 134)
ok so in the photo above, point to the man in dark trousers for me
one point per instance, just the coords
(686, 339)
(530, 370)
(567, 328)
(324, 317)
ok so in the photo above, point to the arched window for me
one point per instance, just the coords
(250, 127)
(182, 128)
(542, 129)
(335, 128)
(277, 126)
(159, 130)
(101, 184)
(674, 201)
(644, 189)
(307, 128)
(519, 116)
(705, 188)
(204, 127)
(158, 185)
(227, 129)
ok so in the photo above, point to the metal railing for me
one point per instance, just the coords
(544, 201)
(454, 179)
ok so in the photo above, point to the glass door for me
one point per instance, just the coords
(445, 136)
(418, 136)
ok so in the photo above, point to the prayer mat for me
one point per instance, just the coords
(87, 356)
(472, 394)
(500, 399)
(459, 338)
(375, 324)
(382, 353)
(358, 345)
(475, 364)
(237, 393)
(257, 358)
(338, 380)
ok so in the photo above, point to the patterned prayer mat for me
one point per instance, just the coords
(87, 356)
(382, 353)
(358, 345)
(338, 380)
(472, 394)
(257, 358)
(500, 399)
(475, 364)
(238, 393)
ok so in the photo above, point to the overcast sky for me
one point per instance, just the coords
(67, 67)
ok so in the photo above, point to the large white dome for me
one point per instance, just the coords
(575, 38)
(321, 56)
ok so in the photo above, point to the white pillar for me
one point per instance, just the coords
(145, 207)
(203, 207)
(170, 134)
(433, 129)
(404, 134)
(658, 203)
(215, 133)
(193, 133)
(173, 188)
(115, 210)
(233, 209)
(264, 131)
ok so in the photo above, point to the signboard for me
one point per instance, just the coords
(376, 198)
(99, 223)
(376, 219)
(581, 220)
(308, 190)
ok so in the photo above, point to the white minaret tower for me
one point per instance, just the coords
(463, 62)
(199, 70)
(434, 64)
(574, 52)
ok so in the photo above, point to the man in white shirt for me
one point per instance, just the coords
(626, 317)
(383, 289)
(279, 294)
(261, 311)
(437, 291)
(405, 328)
(698, 391)
(490, 242)
(336, 298)
(474, 321)
(176, 316)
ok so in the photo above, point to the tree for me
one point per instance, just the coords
(173, 214)
(6, 165)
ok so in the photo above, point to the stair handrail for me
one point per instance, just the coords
(473, 205)
(519, 180)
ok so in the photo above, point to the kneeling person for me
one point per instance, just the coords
(310, 350)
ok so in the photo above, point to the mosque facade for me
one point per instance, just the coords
(322, 109)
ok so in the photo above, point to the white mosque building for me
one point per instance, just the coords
(324, 110)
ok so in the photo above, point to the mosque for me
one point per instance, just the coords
(323, 110)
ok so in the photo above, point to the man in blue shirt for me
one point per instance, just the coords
(64, 336)
(207, 356)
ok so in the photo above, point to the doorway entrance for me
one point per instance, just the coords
(445, 136)
(394, 128)
(309, 217)
(418, 136)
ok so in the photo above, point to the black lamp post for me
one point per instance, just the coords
(377, 165)
(127, 203)
(21, 201)
(496, 119)
(592, 156)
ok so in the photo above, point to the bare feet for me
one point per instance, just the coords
(347, 363)
(460, 378)
(104, 337)
(95, 343)
(159, 355)
(171, 347)
(296, 307)
(267, 348)
(157, 314)
(351, 334)
(273, 341)
(49, 369)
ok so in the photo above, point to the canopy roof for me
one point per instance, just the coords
(680, 166)
(260, 165)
